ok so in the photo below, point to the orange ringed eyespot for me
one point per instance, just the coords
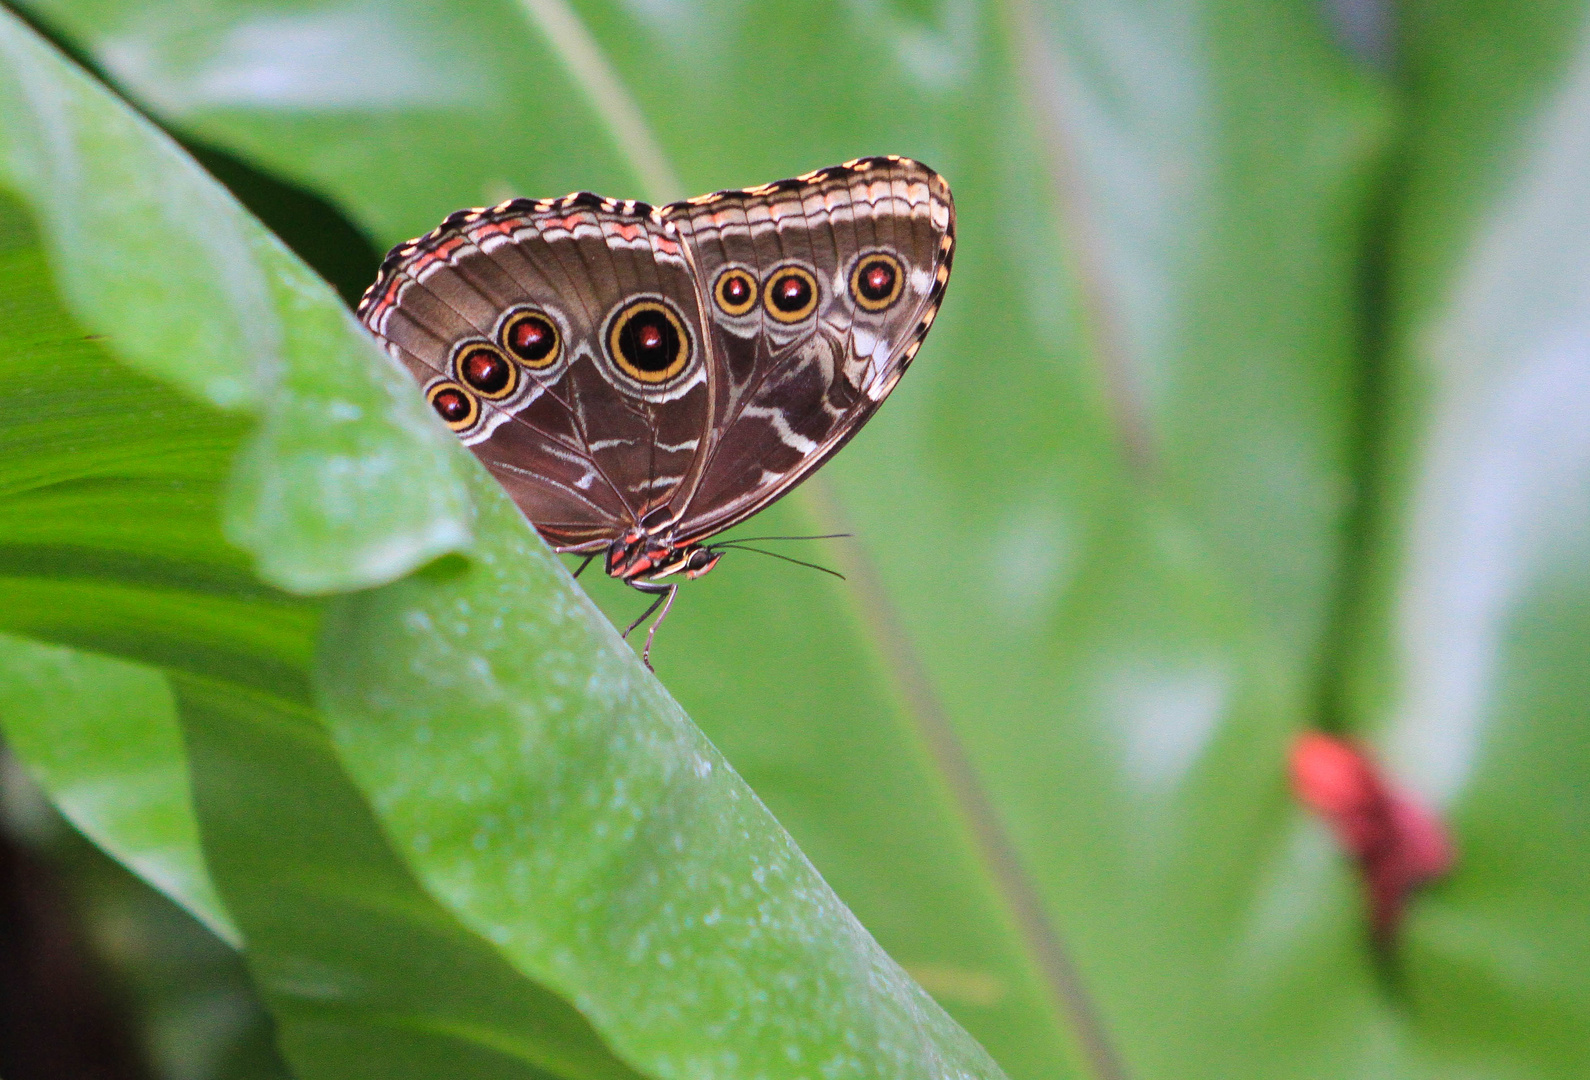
(484, 369)
(532, 338)
(648, 342)
(456, 406)
(877, 281)
(791, 294)
(735, 291)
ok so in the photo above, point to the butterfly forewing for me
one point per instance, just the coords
(675, 369)
(849, 266)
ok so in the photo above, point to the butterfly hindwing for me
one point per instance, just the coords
(562, 340)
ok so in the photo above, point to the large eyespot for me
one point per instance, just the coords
(532, 338)
(735, 291)
(791, 294)
(456, 406)
(877, 281)
(648, 341)
(483, 368)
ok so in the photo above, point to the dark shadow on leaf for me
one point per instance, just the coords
(304, 220)
(447, 568)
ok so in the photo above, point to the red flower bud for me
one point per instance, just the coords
(1397, 843)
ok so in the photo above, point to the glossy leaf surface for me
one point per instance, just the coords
(1175, 476)
(1038, 744)
(121, 494)
(104, 738)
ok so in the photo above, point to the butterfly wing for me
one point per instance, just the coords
(818, 292)
(563, 341)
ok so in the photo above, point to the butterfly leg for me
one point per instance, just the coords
(665, 600)
(586, 562)
(668, 602)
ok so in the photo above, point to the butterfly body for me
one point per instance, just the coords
(636, 559)
(642, 378)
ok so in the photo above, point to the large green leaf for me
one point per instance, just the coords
(175, 379)
(343, 484)
(1037, 742)
(104, 738)
(1114, 541)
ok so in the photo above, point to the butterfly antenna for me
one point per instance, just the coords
(758, 539)
(776, 555)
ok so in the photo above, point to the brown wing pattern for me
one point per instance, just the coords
(677, 368)
(562, 339)
(796, 376)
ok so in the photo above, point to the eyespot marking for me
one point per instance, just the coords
(648, 342)
(734, 291)
(791, 294)
(877, 281)
(456, 406)
(532, 338)
(483, 368)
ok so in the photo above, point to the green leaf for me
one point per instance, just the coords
(103, 739)
(1038, 742)
(573, 816)
(346, 483)
(121, 481)
(1175, 476)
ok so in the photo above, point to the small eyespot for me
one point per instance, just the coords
(648, 342)
(791, 294)
(482, 367)
(735, 291)
(877, 281)
(456, 406)
(532, 338)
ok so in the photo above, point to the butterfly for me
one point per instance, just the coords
(641, 378)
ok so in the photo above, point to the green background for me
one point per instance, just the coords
(1258, 402)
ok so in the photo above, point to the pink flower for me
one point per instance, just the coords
(1398, 844)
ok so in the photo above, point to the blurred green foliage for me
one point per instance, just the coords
(1259, 402)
